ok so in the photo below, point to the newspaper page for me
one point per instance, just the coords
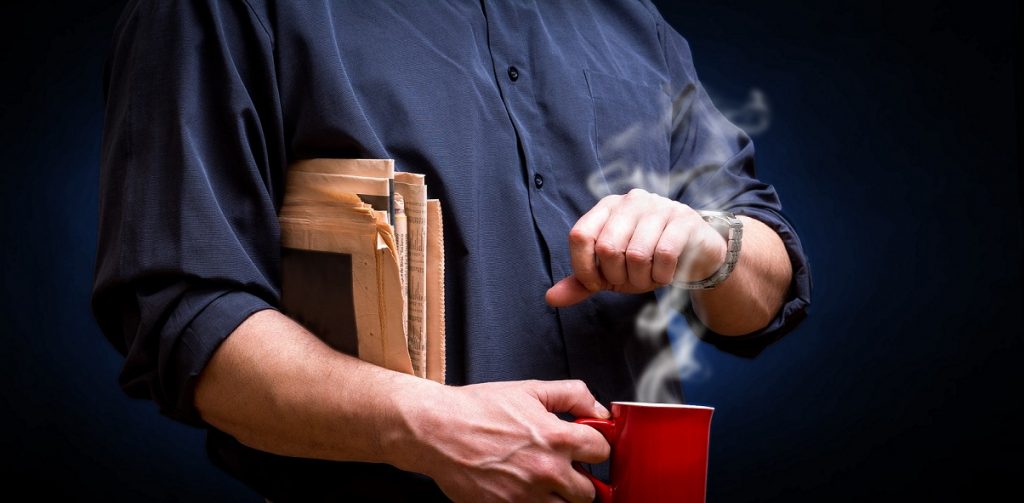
(435, 293)
(413, 190)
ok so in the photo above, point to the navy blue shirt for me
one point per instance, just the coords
(522, 115)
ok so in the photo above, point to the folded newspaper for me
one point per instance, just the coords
(363, 262)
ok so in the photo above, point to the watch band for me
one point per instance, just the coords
(734, 240)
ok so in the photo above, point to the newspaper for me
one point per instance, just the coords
(360, 266)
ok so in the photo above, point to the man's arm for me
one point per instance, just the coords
(754, 292)
(640, 241)
(634, 242)
(276, 387)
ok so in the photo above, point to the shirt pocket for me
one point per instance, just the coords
(632, 126)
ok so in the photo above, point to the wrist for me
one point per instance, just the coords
(413, 407)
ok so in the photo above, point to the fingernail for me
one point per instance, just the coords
(600, 411)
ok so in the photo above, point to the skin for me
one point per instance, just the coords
(276, 387)
(637, 242)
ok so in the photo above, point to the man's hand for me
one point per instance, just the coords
(636, 243)
(502, 442)
(276, 387)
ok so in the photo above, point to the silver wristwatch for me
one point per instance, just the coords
(731, 229)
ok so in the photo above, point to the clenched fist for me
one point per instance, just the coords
(635, 243)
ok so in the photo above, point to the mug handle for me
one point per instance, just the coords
(606, 427)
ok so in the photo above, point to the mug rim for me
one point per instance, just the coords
(664, 405)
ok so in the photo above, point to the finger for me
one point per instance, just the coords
(671, 245)
(614, 238)
(575, 487)
(567, 292)
(587, 444)
(582, 239)
(570, 396)
(554, 498)
(640, 251)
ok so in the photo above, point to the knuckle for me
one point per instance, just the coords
(545, 469)
(577, 386)
(579, 236)
(665, 253)
(636, 193)
(638, 256)
(606, 250)
(560, 438)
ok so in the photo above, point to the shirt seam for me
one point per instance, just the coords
(259, 20)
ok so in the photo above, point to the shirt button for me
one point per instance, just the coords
(538, 181)
(513, 73)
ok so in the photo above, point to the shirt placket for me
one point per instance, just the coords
(508, 38)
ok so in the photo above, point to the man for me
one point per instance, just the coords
(530, 122)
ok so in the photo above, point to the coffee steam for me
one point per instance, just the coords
(677, 360)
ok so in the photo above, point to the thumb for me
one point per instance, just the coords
(567, 292)
(570, 396)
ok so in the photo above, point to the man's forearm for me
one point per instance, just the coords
(753, 294)
(276, 387)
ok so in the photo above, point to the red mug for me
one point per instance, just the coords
(659, 452)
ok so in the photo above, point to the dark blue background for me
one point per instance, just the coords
(894, 142)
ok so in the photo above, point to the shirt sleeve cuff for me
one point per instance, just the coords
(798, 297)
(200, 340)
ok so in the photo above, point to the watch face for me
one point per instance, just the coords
(720, 226)
(721, 221)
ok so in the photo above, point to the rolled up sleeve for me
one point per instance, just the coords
(712, 162)
(191, 161)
